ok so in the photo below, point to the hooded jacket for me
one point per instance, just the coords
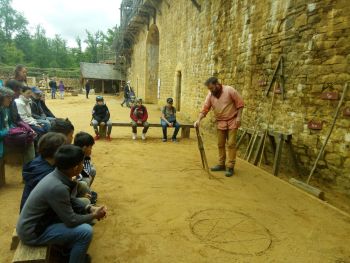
(139, 113)
(32, 174)
(100, 113)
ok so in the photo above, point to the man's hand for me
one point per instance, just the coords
(197, 123)
(170, 124)
(102, 124)
(99, 212)
(139, 122)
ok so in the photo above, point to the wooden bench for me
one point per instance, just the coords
(185, 128)
(31, 254)
(13, 156)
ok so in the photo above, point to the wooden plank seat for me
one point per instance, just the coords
(31, 254)
(185, 128)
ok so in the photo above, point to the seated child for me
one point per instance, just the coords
(85, 141)
(63, 126)
(51, 216)
(35, 105)
(139, 116)
(100, 117)
(25, 112)
(168, 119)
(42, 165)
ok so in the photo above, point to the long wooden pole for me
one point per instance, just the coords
(329, 133)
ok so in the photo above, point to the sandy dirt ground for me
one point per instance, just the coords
(163, 208)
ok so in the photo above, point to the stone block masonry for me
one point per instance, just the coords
(241, 42)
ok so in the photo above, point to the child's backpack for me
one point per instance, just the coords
(21, 135)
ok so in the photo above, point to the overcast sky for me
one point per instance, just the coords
(70, 18)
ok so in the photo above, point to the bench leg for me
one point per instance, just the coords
(15, 240)
(2, 172)
(102, 131)
(185, 132)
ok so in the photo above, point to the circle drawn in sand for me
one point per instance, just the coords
(231, 231)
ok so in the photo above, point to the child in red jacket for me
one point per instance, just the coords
(139, 116)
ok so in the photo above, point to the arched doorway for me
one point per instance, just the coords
(152, 64)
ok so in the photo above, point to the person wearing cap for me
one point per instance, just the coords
(100, 117)
(227, 105)
(168, 119)
(25, 112)
(139, 116)
(127, 90)
(37, 110)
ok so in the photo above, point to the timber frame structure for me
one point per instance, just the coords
(134, 14)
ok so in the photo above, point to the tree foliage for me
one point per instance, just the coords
(18, 45)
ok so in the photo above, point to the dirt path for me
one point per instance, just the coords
(163, 208)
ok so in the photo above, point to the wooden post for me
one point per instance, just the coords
(278, 154)
(103, 131)
(185, 132)
(103, 87)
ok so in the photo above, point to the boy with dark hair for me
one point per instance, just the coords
(49, 216)
(100, 117)
(42, 165)
(63, 126)
(168, 119)
(85, 141)
(139, 116)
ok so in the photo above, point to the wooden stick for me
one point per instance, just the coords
(329, 132)
(268, 124)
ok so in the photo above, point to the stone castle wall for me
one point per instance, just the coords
(241, 41)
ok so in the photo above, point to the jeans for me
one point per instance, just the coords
(229, 136)
(95, 124)
(87, 93)
(46, 122)
(40, 130)
(76, 238)
(53, 93)
(127, 101)
(144, 124)
(62, 94)
(176, 125)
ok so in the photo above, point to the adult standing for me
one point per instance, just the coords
(227, 105)
(127, 90)
(53, 86)
(87, 88)
(61, 89)
(21, 75)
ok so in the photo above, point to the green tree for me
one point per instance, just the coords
(11, 21)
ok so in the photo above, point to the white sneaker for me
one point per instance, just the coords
(143, 136)
(134, 136)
